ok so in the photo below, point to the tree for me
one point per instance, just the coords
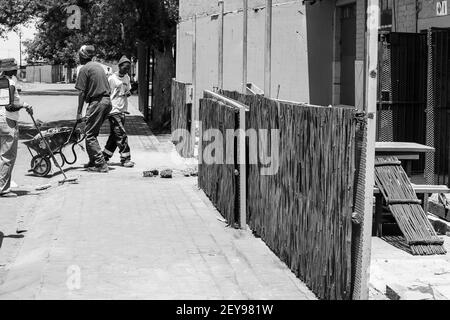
(160, 18)
(16, 12)
(113, 27)
(100, 24)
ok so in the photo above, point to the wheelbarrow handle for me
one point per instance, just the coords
(78, 121)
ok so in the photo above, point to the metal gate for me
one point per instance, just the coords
(402, 98)
(439, 100)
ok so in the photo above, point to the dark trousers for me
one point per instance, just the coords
(118, 138)
(96, 114)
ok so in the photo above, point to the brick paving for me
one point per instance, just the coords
(129, 237)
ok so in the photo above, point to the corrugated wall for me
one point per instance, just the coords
(45, 73)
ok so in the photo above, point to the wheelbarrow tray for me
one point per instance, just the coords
(56, 138)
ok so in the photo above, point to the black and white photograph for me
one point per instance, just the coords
(232, 157)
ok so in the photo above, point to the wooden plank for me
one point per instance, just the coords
(226, 100)
(408, 157)
(409, 147)
(422, 188)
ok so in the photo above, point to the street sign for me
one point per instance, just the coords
(441, 8)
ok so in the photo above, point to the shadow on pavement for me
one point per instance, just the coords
(398, 242)
(13, 236)
(57, 173)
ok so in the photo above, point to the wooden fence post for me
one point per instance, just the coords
(241, 153)
(361, 290)
(242, 169)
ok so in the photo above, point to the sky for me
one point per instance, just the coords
(9, 46)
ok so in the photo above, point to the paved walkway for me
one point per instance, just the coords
(122, 236)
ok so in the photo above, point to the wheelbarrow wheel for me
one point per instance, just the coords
(41, 166)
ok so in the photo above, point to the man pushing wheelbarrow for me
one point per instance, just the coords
(95, 91)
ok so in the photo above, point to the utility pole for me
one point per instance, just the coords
(268, 51)
(361, 289)
(221, 30)
(20, 48)
(245, 48)
(195, 105)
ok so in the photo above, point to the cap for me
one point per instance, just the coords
(123, 60)
(87, 52)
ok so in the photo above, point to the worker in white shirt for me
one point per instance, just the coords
(120, 85)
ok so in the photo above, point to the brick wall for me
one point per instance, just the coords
(428, 17)
(427, 9)
(405, 16)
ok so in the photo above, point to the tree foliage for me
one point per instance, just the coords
(17, 12)
(112, 26)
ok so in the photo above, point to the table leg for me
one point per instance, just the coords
(409, 168)
(379, 214)
(425, 203)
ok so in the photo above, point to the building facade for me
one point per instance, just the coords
(317, 48)
(414, 16)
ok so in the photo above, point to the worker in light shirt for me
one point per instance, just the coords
(120, 84)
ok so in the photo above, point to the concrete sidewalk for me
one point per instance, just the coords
(122, 236)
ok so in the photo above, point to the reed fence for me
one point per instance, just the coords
(304, 211)
(218, 179)
(181, 119)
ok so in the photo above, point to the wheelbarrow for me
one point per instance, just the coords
(50, 144)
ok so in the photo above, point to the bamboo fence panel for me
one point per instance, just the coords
(180, 116)
(304, 212)
(397, 190)
(218, 180)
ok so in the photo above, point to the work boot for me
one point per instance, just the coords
(89, 165)
(103, 169)
(128, 164)
(107, 159)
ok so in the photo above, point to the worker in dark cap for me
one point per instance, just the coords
(94, 90)
(120, 85)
